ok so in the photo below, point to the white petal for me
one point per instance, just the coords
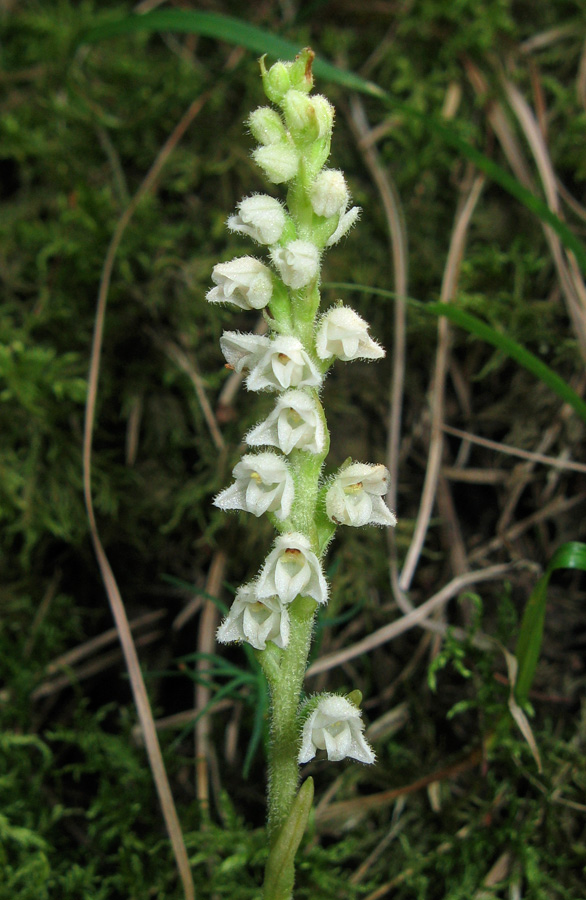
(280, 161)
(242, 351)
(329, 193)
(347, 220)
(283, 364)
(355, 496)
(255, 621)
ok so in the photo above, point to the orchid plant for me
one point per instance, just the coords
(275, 613)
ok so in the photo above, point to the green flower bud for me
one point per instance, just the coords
(267, 126)
(309, 119)
(300, 72)
(283, 76)
(276, 81)
(280, 161)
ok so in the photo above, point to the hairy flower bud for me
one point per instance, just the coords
(279, 161)
(255, 621)
(267, 126)
(263, 484)
(308, 119)
(244, 281)
(284, 76)
(335, 725)
(260, 217)
(329, 193)
(295, 424)
(297, 263)
(344, 334)
(292, 569)
(355, 496)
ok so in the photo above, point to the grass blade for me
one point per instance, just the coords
(569, 556)
(481, 329)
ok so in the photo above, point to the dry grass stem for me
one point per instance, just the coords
(116, 603)
(103, 662)
(449, 285)
(418, 616)
(206, 645)
(556, 462)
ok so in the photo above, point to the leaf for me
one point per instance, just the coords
(280, 870)
(569, 556)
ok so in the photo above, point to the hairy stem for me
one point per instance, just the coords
(285, 694)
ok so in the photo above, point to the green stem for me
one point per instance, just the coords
(285, 695)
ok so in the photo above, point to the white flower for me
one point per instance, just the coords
(260, 217)
(344, 334)
(244, 281)
(295, 423)
(355, 497)
(255, 621)
(263, 484)
(298, 263)
(274, 364)
(279, 161)
(329, 193)
(290, 570)
(335, 725)
(347, 220)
